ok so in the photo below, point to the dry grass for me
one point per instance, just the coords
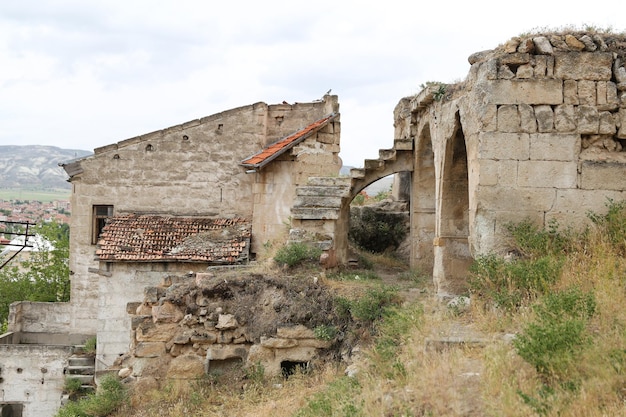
(404, 373)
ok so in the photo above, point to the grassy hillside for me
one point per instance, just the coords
(543, 334)
(36, 195)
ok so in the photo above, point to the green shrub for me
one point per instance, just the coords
(72, 386)
(110, 396)
(90, 346)
(255, 373)
(359, 200)
(342, 307)
(371, 306)
(392, 331)
(338, 399)
(376, 230)
(534, 242)
(296, 253)
(613, 224)
(509, 284)
(555, 339)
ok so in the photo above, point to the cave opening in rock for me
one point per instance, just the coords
(289, 368)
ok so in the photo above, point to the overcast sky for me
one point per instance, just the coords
(81, 74)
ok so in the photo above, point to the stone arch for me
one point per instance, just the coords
(451, 243)
(391, 161)
(379, 169)
(423, 202)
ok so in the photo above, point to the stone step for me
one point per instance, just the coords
(81, 370)
(318, 201)
(373, 164)
(314, 213)
(357, 173)
(321, 191)
(387, 154)
(81, 361)
(403, 144)
(329, 181)
(84, 379)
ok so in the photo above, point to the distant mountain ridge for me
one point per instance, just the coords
(35, 167)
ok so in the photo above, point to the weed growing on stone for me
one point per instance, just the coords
(90, 346)
(511, 284)
(325, 332)
(72, 386)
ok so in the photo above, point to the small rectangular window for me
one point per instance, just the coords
(100, 215)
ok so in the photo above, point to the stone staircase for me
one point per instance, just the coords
(387, 159)
(80, 366)
(321, 198)
(324, 198)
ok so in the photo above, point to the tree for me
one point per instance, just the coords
(44, 276)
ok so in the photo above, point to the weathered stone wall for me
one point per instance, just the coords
(32, 375)
(43, 323)
(275, 185)
(188, 326)
(548, 114)
(124, 283)
(535, 131)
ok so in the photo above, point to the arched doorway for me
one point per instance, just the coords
(451, 246)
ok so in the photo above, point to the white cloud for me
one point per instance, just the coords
(82, 74)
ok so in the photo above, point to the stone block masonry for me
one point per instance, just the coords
(553, 108)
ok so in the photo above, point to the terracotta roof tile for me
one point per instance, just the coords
(151, 238)
(272, 151)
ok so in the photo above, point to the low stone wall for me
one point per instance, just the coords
(190, 326)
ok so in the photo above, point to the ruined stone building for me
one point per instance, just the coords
(171, 202)
(535, 131)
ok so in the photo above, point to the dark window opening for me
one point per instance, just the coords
(11, 410)
(100, 215)
(289, 368)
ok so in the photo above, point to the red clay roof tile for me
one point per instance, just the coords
(272, 151)
(151, 238)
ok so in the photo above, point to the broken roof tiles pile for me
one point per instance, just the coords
(152, 238)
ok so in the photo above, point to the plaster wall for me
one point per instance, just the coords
(32, 375)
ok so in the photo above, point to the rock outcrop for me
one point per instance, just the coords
(202, 323)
